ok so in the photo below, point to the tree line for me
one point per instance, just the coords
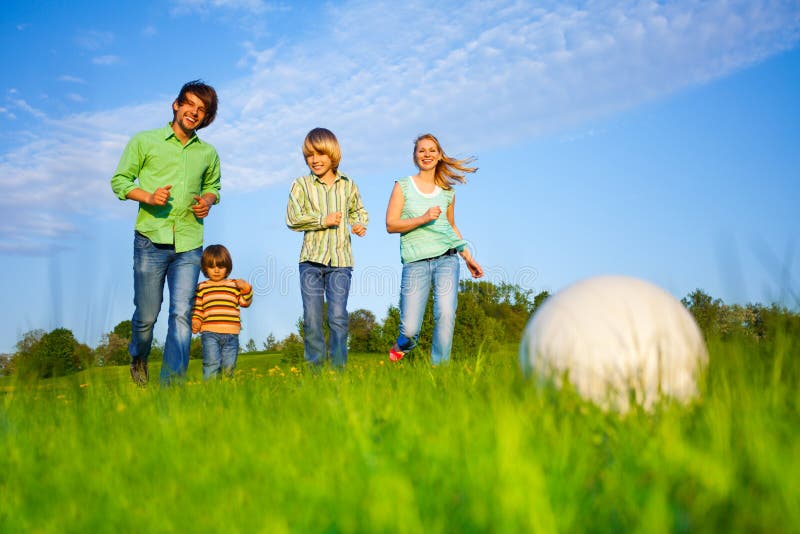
(488, 315)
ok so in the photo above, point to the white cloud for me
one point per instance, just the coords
(188, 6)
(94, 39)
(71, 79)
(75, 97)
(377, 76)
(106, 60)
(149, 31)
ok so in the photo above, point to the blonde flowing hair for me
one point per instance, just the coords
(449, 171)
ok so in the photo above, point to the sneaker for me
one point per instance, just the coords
(395, 354)
(139, 373)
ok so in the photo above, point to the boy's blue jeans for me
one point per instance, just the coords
(320, 283)
(415, 286)
(153, 265)
(219, 353)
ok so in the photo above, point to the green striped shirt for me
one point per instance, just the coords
(156, 158)
(433, 238)
(310, 201)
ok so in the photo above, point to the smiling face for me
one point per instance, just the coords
(189, 114)
(320, 164)
(427, 154)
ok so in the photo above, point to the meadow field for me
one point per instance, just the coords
(467, 447)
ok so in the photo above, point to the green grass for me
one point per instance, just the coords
(469, 447)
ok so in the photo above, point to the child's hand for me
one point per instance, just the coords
(241, 285)
(196, 325)
(359, 229)
(332, 219)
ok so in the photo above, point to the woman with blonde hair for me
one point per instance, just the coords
(422, 210)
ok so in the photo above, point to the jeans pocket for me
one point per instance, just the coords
(141, 241)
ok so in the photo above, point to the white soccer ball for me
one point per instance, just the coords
(616, 338)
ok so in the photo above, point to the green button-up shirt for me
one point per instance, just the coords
(310, 201)
(157, 158)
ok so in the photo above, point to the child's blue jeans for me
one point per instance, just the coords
(219, 353)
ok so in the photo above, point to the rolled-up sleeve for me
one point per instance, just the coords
(130, 164)
(213, 179)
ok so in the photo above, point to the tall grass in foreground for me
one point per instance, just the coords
(468, 447)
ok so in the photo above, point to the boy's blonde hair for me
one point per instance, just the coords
(448, 170)
(323, 141)
(216, 256)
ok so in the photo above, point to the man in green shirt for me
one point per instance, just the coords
(178, 179)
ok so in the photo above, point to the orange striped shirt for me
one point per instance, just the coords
(216, 305)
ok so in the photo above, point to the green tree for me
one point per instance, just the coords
(539, 299)
(705, 309)
(124, 330)
(389, 329)
(113, 350)
(475, 330)
(363, 332)
(56, 353)
(251, 346)
(292, 349)
(271, 344)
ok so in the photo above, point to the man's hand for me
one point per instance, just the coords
(202, 207)
(332, 219)
(196, 325)
(160, 196)
(359, 229)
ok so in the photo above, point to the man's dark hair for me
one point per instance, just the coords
(204, 92)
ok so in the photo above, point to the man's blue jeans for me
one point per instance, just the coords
(152, 265)
(415, 286)
(219, 353)
(320, 283)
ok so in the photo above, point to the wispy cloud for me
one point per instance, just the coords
(250, 6)
(489, 75)
(75, 97)
(108, 59)
(94, 39)
(149, 31)
(71, 79)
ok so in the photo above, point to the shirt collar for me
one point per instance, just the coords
(169, 132)
(339, 176)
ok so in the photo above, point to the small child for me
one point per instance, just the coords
(216, 311)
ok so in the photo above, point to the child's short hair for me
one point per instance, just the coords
(323, 141)
(216, 256)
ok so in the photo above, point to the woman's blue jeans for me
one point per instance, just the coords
(154, 264)
(415, 286)
(320, 283)
(219, 353)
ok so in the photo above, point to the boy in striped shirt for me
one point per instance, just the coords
(216, 311)
(322, 205)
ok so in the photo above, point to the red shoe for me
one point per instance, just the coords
(395, 355)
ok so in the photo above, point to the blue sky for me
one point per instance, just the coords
(653, 139)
